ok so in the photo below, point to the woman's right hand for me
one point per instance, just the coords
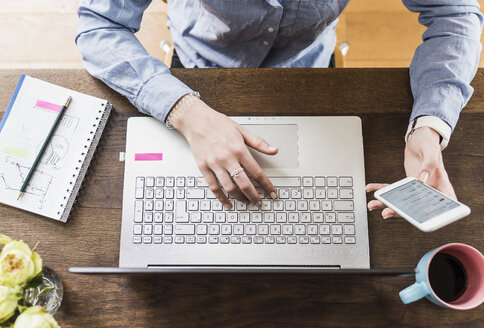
(219, 146)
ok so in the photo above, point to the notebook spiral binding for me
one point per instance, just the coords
(84, 161)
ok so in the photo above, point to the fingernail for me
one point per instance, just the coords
(272, 148)
(259, 203)
(228, 206)
(388, 216)
(424, 176)
(273, 195)
(371, 209)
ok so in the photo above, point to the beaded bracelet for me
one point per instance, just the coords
(178, 108)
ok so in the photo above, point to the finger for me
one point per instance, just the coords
(389, 213)
(375, 204)
(254, 170)
(375, 186)
(432, 157)
(229, 186)
(247, 188)
(257, 142)
(215, 188)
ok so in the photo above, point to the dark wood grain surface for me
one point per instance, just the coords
(381, 97)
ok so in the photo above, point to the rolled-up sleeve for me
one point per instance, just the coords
(111, 53)
(447, 60)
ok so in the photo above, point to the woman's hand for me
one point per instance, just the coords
(423, 160)
(219, 146)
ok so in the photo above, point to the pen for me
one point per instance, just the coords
(44, 146)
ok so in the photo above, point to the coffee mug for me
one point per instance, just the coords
(451, 276)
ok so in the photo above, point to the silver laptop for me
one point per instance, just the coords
(172, 222)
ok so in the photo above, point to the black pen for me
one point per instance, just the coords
(44, 146)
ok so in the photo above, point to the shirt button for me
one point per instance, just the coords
(266, 43)
(270, 30)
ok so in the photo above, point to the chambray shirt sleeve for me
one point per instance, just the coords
(446, 62)
(111, 53)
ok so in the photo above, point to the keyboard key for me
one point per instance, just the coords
(150, 193)
(224, 239)
(256, 217)
(169, 193)
(314, 205)
(263, 229)
(294, 217)
(325, 240)
(235, 240)
(169, 205)
(180, 181)
(190, 239)
(337, 229)
(283, 193)
(216, 205)
(195, 193)
(185, 229)
(266, 205)
(302, 205)
(207, 217)
(275, 229)
(287, 229)
(281, 217)
(150, 181)
(158, 217)
(330, 217)
(238, 229)
(213, 240)
(201, 182)
(326, 205)
(337, 240)
(253, 207)
(210, 194)
(205, 205)
(343, 205)
(244, 217)
(346, 193)
(270, 240)
(214, 229)
(346, 217)
(193, 205)
(332, 181)
(312, 229)
(179, 239)
(201, 240)
(158, 205)
(170, 181)
(308, 193)
(180, 193)
(201, 229)
(226, 229)
(319, 182)
(160, 181)
(167, 239)
(290, 205)
(138, 211)
(168, 229)
(278, 205)
(158, 193)
(195, 217)
(280, 239)
(285, 182)
(147, 240)
(300, 229)
(169, 217)
(320, 193)
(250, 229)
(305, 217)
(158, 229)
(291, 239)
(232, 217)
(314, 240)
(258, 240)
(139, 193)
(148, 217)
(318, 217)
(332, 193)
(304, 240)
(296, 194)
(137, 229)
(349, 229)
(157, 240)
(350, 240)
(324, 229)
(191, 182)
(346, 182)
(240, 206)
(220, 217)
(307, 182)
(269, 217)
(246, 240)
(140, 182)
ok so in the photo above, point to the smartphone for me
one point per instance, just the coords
(421, 205)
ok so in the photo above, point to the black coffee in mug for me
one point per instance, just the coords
(447, 277)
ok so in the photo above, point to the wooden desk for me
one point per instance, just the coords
(381, 97)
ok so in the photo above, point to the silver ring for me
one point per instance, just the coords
(235, 173)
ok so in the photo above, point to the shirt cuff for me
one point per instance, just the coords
(433, 122)
(160, 94)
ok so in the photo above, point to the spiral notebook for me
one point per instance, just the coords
(33, 108)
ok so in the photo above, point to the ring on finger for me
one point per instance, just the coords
(235, 173)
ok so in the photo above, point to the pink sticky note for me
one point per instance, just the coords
(148, 157)
(48, 105)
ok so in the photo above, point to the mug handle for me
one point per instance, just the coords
(414, 292)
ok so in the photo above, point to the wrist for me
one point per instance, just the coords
(428, 133)
(177, 114)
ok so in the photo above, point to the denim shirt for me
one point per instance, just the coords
(271, 33)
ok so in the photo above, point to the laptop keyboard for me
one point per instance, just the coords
(183, 210)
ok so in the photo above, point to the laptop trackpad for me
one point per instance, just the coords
(283, 136)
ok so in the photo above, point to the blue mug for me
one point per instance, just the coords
(472, 263)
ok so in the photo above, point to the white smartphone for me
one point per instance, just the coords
(421, 205)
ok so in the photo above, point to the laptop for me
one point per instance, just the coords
(171, 222)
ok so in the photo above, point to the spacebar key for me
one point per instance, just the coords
(185, 229)
(285, 182)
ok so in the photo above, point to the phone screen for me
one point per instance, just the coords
(419, 201)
